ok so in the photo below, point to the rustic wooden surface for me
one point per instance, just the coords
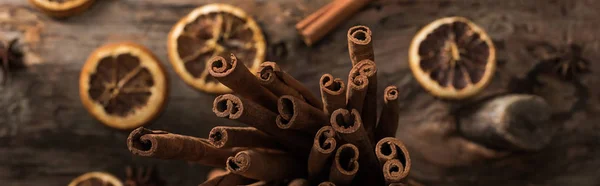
(47, 138)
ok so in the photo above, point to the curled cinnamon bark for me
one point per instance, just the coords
(236, 108)
(281, 83)
(388, 120)
(333, 93)
(360, 45)
(390, 148)
(225, 136)
(265, 165)
(326, 184)
(369, 109)
(296, 114)
(345, 165)
(321, 153)
(299, 182)
(227, 178)
(238, 78)
(348, 125)
(164, 145)
(393, 171)
(357, 90)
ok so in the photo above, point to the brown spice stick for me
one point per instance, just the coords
(328, 19)
(297, 114)
(348, 125)
(236, 108)
(321, 153)
(369, 109)
(360, 44)
(164, 145)
(302, 24)
(269, 79)
(213, 173)
(227, 178)
(391, 148)
(265, 165)
(388, 120)
(299, 182)
(293, 83)
(226, 136)
(393, 171)
(357, 90)
(333, 93)
(345, 165)
(326, 184)
(236, 76)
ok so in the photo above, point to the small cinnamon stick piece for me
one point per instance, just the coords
(293, 83)
(390, 148)
(333, 93)
(345, 165)
(388, 120)
(327, 18)
(236, 108)
(227, 178)
(299, 182)
(360, 44)
(348, 125)
(164, 145)
(321, 153)
(225, 136)
(393, 171)
(357, 90)
(296, 114)
(265, 165)
(326, 184)
(238, 78)
(269, 79)
(369, 109)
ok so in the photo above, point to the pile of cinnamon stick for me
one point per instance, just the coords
(291, 134)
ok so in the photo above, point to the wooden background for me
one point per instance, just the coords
(47, 138)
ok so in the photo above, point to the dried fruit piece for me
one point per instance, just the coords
(123, 85)
(213, 30)
(452, 58)
(96, 178)
(62, 8)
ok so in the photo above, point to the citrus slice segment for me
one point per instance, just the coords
(123, 85)
(62, 8)
(213, 30)
(452, 58)
(96, 178)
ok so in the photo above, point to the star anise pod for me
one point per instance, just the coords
(143, 177)
(567, 62)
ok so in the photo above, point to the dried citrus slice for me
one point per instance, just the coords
(452, 58)
(123, 85)
(62, 8)
(208, 31)
(96, 178)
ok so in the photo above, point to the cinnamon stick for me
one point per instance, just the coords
(164, 145)
(238, 78)
(388, 120)
(296, 114)
(265, 165)
(369, 109)
(390, 148)
(225, 136)
(269, 79)
(299, 182)
(271, 69)
(227, 178)
(236, 108)
(213, 173)
(321, 152)
(345, 165)
(393, 171)
(349, 126)
(333, 93)
(326, 184)
(327, 18)
(357, 90)
(360, 44)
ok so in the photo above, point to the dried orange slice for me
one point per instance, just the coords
(452, 58)
(62, 8)
(96, 178)
(123, 85)
(208, 31)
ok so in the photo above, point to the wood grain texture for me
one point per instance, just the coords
(47, 138)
